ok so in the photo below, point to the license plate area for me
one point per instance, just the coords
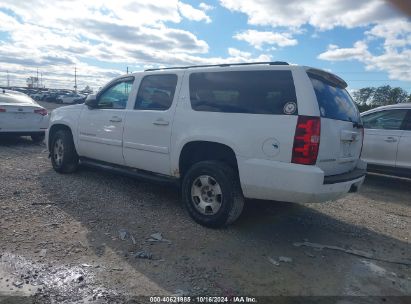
(19, 115)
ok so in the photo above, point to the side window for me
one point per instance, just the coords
(388, 120)
(116, 96)
(255, 92)
(156, 92)
(407, 122)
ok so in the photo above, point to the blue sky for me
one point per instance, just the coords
(368, 43)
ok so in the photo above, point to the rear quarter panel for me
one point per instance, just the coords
(250, 136)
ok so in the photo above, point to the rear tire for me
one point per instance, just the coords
(37, 138)
(64, 157)
(212, 194)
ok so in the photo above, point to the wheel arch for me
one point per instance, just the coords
(201, 150)
(56, 127)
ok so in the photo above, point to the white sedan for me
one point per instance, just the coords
(70, 98)
(20, 115)
(387, 140)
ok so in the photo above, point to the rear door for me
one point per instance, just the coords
(404, 146)
(341, 127)
(383, 130)
(147, 130)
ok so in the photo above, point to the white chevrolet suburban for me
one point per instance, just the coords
(223, 133)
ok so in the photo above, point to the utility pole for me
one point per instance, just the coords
(8, 79)
(75, 79)
(37, 78)
(127, 70)
(41, 78)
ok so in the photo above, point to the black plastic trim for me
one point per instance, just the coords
(389, 170)
(131, 172)
(345, 177)
(220, 65)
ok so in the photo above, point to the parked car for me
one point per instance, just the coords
(70, 98)
(21, 115)
(268, 131)
(387, 142)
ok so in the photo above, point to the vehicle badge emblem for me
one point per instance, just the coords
(290, 108)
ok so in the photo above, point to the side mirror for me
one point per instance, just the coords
(91, 101)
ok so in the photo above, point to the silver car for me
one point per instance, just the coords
(387, 141)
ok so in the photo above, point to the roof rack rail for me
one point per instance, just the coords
(220, 65)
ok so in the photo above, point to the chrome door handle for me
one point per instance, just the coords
(116, 119)
(390, 139)
(160, 122)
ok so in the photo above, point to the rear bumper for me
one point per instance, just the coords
(345, 177)
(270, 180)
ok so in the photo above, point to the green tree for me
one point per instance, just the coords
(363, 96)
(381, 96)
(397, 95)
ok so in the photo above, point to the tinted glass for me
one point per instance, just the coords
(388, 120)
(256, 92)
(156, 92)
(407, 122)
(116, 96)
(334, 102)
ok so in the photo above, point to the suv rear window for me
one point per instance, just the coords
(334, 102)
(255, 92)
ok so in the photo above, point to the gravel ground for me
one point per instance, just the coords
(87, 237)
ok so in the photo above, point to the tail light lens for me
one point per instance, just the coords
(42, 112)
(2, 110)
(306, 140)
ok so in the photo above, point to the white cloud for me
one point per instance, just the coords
(192, 13)
(205, 6)
(321, 14)
(334, 53)
(56, 36)
(396, 33)
(259, 38)
(395, 58)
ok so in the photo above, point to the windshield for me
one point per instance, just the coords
(334, 102)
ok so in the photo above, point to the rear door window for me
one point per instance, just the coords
(156, 92)
(334, 102)
(254, 92)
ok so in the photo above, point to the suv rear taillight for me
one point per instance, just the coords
(42, 112)
(306, 140)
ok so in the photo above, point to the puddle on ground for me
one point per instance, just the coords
(20, 277)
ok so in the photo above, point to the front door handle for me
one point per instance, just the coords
(391, 139)
(116, 119)
(160, 122)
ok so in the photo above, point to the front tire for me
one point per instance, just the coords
(212, 194)
(64, 157)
